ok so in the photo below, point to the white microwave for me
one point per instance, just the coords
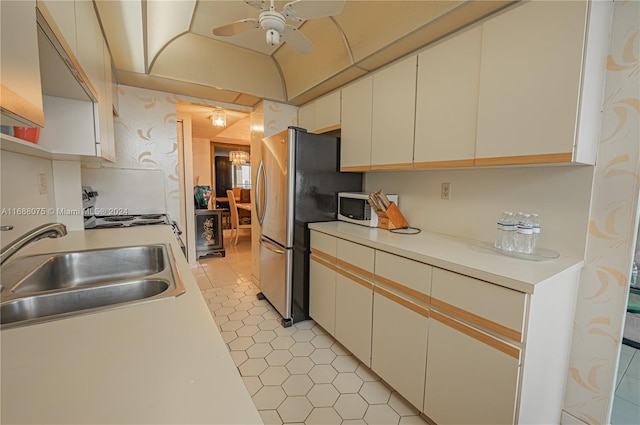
(354, 207)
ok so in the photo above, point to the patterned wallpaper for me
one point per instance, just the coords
(145, 134)
(604, 282)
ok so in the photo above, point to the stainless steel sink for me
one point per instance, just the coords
(73, 269)
(53, 286)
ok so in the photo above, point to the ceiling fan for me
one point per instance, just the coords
(275, 23)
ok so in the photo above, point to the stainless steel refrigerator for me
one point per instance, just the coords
(297, 183)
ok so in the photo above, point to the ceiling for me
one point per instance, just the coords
(236, 132)
(168, 45)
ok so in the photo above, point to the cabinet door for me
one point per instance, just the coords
(107, 137)
(354, 303)
(399, 344)
(400, 324)
(530, 83)
(355, 139)
(447, 102)
(64, 15)
(472, 378)
(90, 45)
(21, 95)
(322, 281)
(307, 116)
(322, 293)
(354, 297)
(328, 113)
(393, 116)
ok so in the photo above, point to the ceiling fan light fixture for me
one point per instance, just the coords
(273, 37)
(219, 118)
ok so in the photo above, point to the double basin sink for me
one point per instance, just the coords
(46, 287)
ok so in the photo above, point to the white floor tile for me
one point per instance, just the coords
(300, 374)
(323, 395)
(297, 385)
(381, 414)
(347, 382)
(375, 392)
(274, 375)
(295, 409)
(351, 406)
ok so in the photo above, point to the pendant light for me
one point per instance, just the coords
(238, 158)
(219, 118)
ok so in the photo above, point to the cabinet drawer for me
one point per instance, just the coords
(404, 276)
(323, 246)
(355, 258)
(495, 308)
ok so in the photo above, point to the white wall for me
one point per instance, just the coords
(202, 167)
(560, 195)
(20, 184)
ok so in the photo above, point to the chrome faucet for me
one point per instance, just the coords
(50, 230)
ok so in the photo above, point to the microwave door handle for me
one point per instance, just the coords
(261, 192)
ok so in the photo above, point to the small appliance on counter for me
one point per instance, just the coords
(354, 207)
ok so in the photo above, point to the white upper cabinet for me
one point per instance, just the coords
(447, 101)
(307, 116)
(107, 137)
(64, 15)
(394, 95)
(541, 77)
(327, 112)
(321, 115)
(21, 95)
(355, 140)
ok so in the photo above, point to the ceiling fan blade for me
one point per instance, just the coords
(236, 27)
(297, 40)
(311, 9)
(258, 4)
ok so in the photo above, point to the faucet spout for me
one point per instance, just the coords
(50, 230)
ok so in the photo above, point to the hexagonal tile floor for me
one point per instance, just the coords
(298, 374)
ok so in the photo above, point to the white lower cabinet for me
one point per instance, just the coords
(460, 349)
(322, 281)
(470, 377)
(399, 349)
(401, 324)
(322, 293)
(354, 298)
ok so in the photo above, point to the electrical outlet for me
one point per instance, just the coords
(42, 184)
(445, 191)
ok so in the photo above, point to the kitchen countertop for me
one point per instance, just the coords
(162, 361)
(459, 255)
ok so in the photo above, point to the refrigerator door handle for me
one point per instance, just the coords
(271, 246)
(259, 194)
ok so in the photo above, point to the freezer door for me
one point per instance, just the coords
(276, 265)
(274, 187)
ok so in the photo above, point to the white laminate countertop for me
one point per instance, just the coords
(162, 361)
(459, 255)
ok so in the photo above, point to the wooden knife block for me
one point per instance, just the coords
(392, 218)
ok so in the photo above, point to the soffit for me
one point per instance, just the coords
(168, 45)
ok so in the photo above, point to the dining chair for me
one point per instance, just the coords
(235, 220)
